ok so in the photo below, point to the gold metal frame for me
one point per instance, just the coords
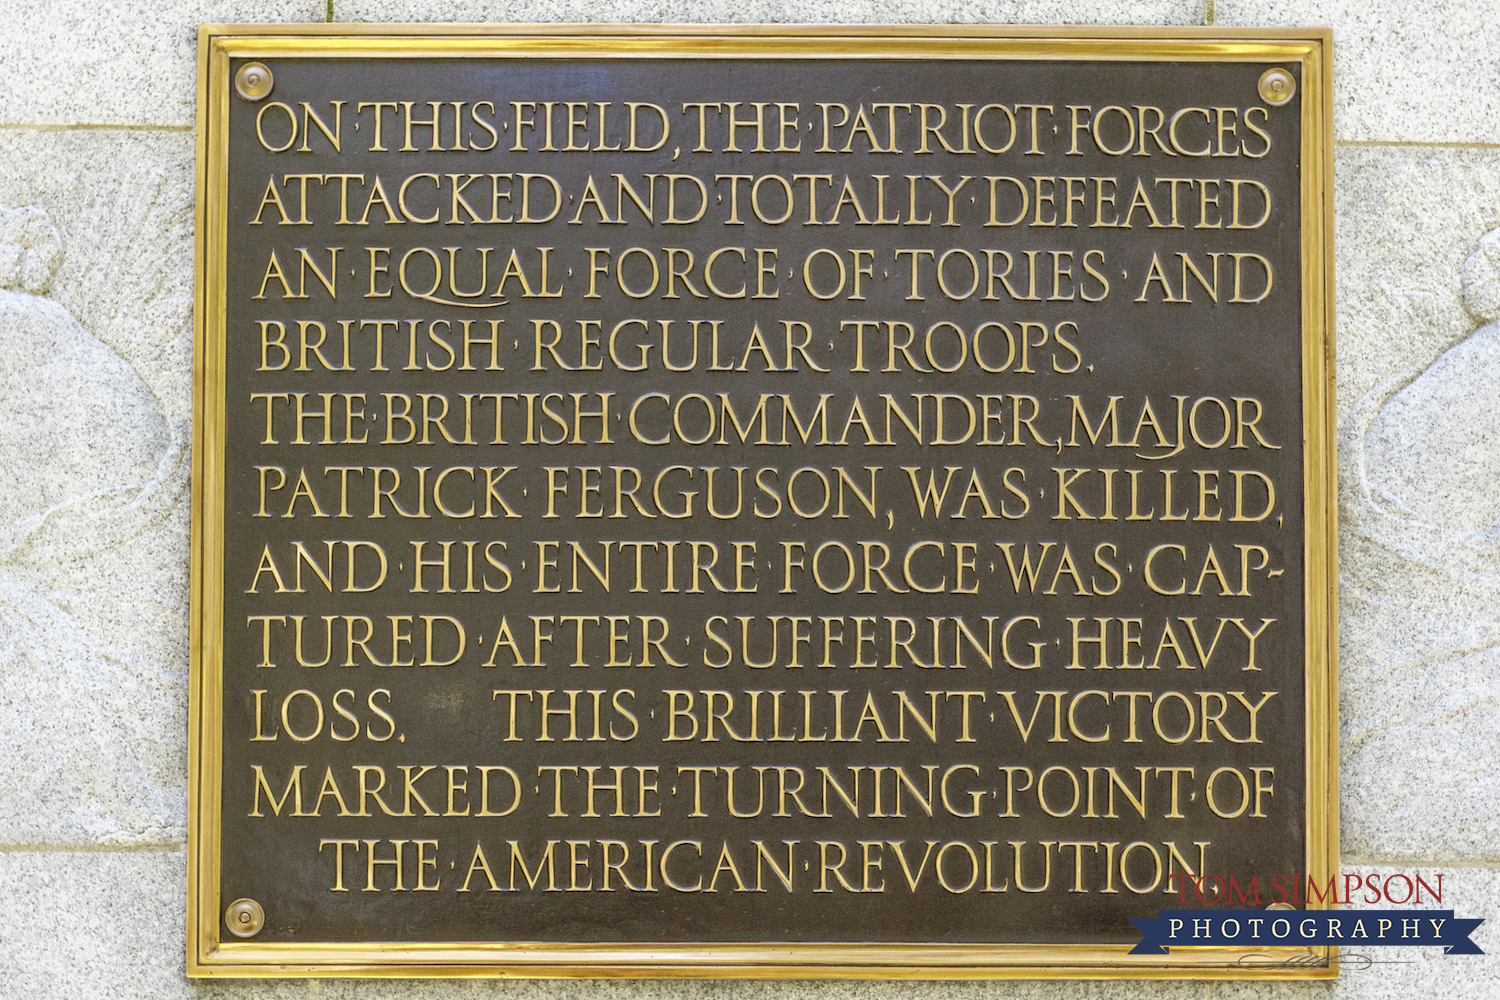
(208, 954)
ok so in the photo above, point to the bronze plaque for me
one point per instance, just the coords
(757, 502)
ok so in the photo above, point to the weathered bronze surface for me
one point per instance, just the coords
(763, 610)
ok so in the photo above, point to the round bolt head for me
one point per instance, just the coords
(244, 918)
(253, 81)
(1277, 86)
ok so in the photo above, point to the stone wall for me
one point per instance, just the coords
(96, 165)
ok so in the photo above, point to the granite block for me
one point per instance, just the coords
(779, 11)
(1418, 457)
(72, 62)
(96, 319)
(1402, 72)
